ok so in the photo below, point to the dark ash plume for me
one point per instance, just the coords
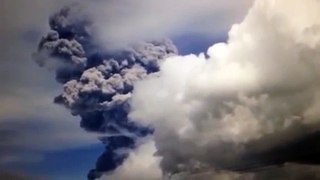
(97, 83)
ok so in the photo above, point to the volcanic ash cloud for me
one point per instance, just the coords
(97, 81)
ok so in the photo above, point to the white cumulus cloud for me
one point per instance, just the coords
(263, 81)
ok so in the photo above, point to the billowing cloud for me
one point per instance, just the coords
(142, 164)
(245, 104)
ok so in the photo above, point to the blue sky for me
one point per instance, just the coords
(63, 164)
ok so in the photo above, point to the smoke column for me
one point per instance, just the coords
(247, 104)
(97, 83)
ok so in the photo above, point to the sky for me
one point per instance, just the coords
(151, 89)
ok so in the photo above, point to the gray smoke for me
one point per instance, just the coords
(97, 82)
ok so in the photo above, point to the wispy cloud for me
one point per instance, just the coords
(29, 122)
